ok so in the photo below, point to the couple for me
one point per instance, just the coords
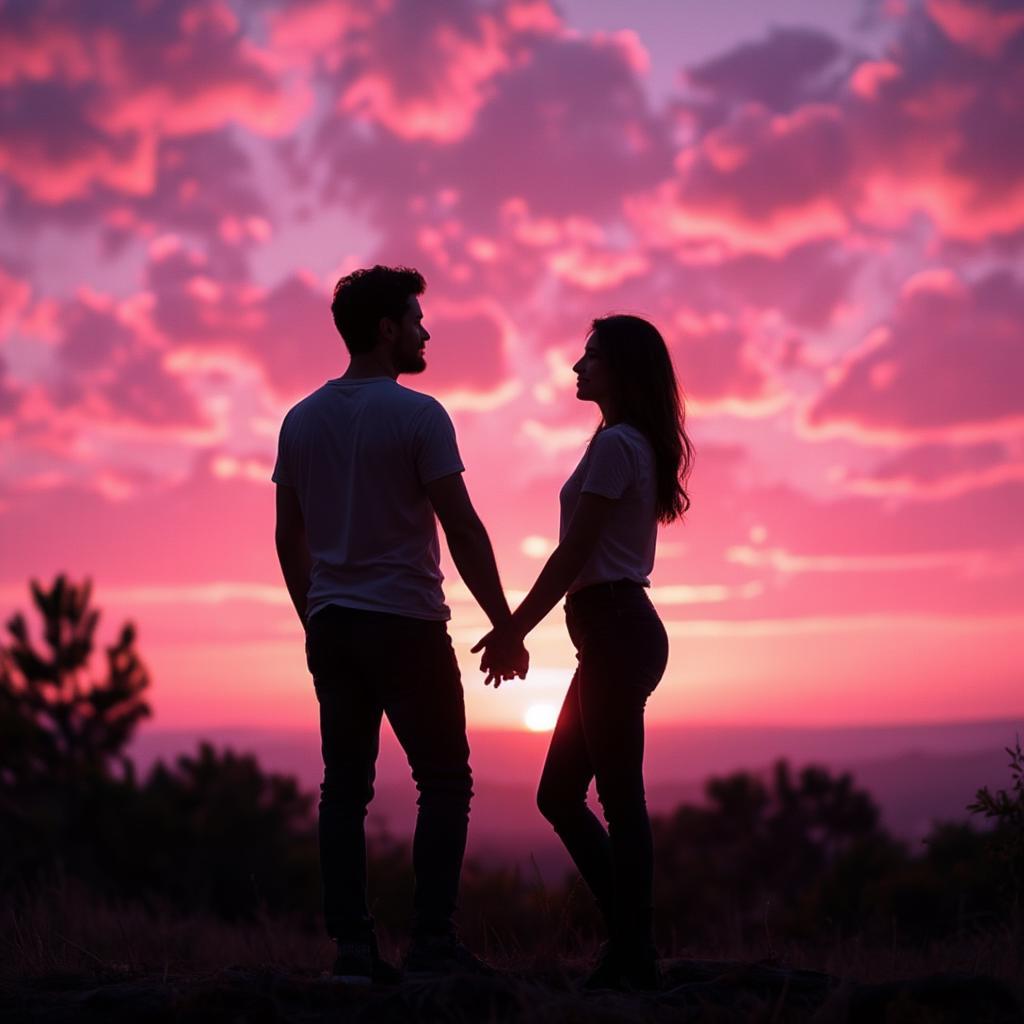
(363, 468)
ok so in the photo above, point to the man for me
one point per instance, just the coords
(363, 466)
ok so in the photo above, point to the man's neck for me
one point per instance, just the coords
(369, 364)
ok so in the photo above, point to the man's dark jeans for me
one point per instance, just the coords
(365, 665)
(622, 649)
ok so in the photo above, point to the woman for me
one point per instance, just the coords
(631, 476)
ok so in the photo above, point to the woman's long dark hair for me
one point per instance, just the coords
(647, 396)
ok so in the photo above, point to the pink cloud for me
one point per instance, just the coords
(467, 346)
(870, 77)
(547, 232)
(785, 69)
(717, 366)
(946, 364)
(597, 269)
(201, 185)
(630, 46)
(797, 557)
(934, 133)
(111, 368)
(936, 472)
(732, 508)
(457, 71)
(36, 50)
(539, 138)
(216, 527)
(10, 399)
(206, 185)
(762, 183)
(419, 71)
(292, 336)
(55, 152)
(285, 330)
(313, 28)
(854, 555)
(537, 16)
(808, 284)
(15, 293)
(575, 249)
(790, 141)
(979, 26)
(91, 113)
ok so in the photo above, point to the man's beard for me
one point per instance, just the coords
(413, 363)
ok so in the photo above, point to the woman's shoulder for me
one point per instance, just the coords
(625, 435)
(623, 444)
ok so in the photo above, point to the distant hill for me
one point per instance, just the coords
(918, 774)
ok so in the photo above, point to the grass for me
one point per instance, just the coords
(63, 927)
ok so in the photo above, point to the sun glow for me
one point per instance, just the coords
(540, 717)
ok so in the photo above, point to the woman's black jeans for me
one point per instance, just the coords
(621, 650)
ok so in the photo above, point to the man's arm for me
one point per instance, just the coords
(292, 550)
(469, 544)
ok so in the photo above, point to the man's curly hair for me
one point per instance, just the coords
(364, 297)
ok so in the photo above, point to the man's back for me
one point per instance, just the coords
(358, 453)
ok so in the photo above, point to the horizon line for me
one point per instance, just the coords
(1017, 717)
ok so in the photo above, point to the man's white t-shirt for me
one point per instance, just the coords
(618, 463)
(359, 454)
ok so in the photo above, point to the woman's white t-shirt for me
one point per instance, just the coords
(619, 463)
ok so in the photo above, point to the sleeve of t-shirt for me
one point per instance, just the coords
(435, 449)
(282, 471)
(609, 470)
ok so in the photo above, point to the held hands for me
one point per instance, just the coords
(504, 655)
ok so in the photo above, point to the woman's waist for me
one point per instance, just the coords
(607, 593)
(615, 561)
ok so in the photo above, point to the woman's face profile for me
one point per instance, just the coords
(593, 378)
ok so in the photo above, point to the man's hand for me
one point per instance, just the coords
(292, 549)
(504, 656)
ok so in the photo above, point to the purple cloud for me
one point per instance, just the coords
(110, 371)
(948, 362)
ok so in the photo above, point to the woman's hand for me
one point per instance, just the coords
(504, 655)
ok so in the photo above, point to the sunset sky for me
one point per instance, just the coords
(820, 204)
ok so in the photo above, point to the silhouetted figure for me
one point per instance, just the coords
(363, 466)
(631, 476)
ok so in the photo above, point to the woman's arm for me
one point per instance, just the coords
(561, 568)
(565, 562)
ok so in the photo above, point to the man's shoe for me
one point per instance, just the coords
(632, 971)
(641, 973)
(359, 963)
(606, 972)
(435, 956)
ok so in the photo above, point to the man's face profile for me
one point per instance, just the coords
(409, 345)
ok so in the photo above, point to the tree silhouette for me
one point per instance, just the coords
(757, 845)
(218, 831)
(59, 724)
(1006, 810)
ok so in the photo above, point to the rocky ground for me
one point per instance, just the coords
(694, 991)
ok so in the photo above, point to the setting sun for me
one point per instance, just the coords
(540, 717)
